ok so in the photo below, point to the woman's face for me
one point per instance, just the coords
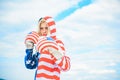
(44, 29)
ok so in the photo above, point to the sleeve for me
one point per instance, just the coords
(63, 63)
(30, 59)
(55, 48)
(44, 44)
(31, 39)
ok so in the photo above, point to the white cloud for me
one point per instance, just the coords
(33, 10)
(89, 27)
(13, 46)
(16, 68)
(93, 64)
(102, 72)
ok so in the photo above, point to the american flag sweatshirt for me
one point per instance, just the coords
(49, 68)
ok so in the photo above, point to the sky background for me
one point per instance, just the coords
(90, 30)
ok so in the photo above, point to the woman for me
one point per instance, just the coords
(52, 58)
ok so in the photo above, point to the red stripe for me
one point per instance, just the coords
(39, 45)
(48, 46)
(46, 60)
(48, 68)
(53, 31)
(51, 23)
(59, 41)
(54, 37)
(61, 63)
(46, 52)
(34, 37)
(47, 76)
(35, 33)
(45, 68)
(47, 17)
(68, 60)
(62, 48)
(30, 40)
(66, 65)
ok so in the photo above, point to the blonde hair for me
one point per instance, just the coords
(39, 24)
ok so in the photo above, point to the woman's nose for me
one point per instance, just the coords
(44, 30)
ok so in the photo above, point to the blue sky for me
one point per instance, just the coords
(90, 30)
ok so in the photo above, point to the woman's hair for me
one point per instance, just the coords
(41, 20)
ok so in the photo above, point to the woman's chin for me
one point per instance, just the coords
(44, 34)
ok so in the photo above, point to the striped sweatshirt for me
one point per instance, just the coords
(49, 68)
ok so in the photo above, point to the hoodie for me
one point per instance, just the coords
(49, 68)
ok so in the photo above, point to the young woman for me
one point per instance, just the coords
(52, 58)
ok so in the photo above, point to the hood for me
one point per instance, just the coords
(51, 24)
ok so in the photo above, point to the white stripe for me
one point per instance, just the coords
(58, 61)
(48, 72)
(60, 44)
(46, 64)
(61, 50)
(32, 38)
(41, 38)
(64, 62)
(52, 27)
(41, 42)
(36, 34)
(45, 56)
(46, 44)
(50, 20)
(33, 35)
(68, 60)
(53, 34)
(37, 46)
(43, 78)
(68, 63)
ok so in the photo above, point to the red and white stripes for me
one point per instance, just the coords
(61, 45)
(32, 36)
(49, 68)
(44, 44)
(51, 24)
